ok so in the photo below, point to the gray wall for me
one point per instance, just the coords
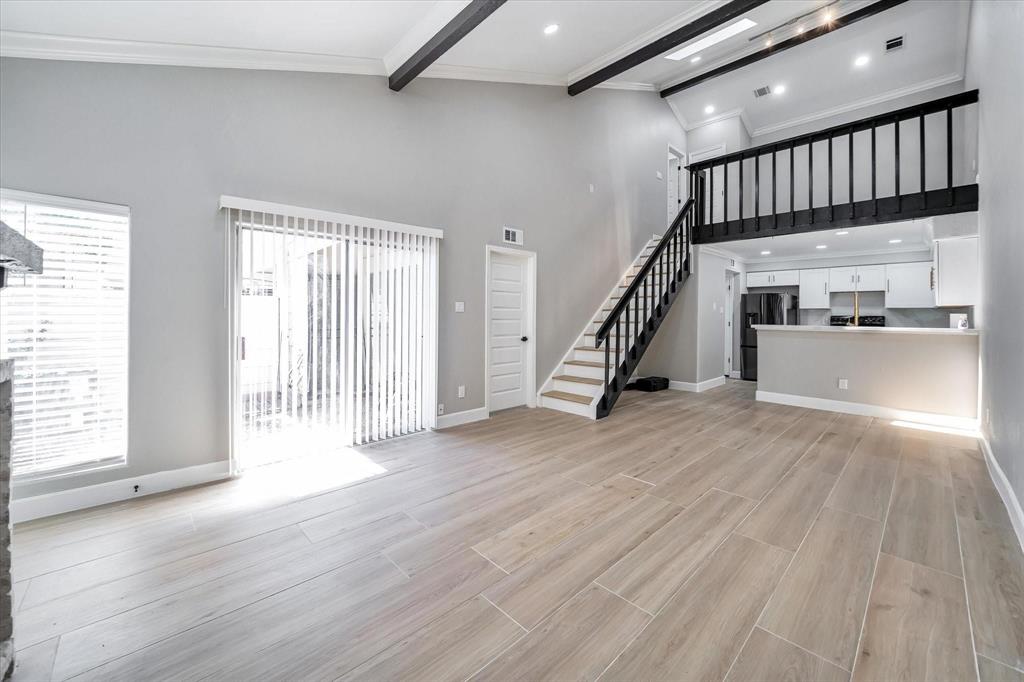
(995, 65)
(464, 156)
(936, 373)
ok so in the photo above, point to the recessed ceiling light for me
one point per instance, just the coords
(695, 59)
(778, 89)
(768, 43)
(828, 15)
(861, 60)
(799, 30)
(712, 39)
(709, 109)
(840, 233)
(766, 253)
(821, 246)
(550, 29)
(895, 241)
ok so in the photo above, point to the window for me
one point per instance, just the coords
(67, 332)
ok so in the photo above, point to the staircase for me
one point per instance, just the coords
(594, 372)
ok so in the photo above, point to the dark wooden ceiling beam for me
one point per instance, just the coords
(825, 29)
(442, 41)
(684, 34)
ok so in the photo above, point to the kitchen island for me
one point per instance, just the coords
(927, 375)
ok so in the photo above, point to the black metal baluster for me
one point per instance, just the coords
(757, 193)
(725, 198)
(775, 184)
(896, 166)
(627, 332)
(921, 135)
(810, 182)
(874, 174)
(618, 346)
(607, 364)
(949, 154)
(711, 200)
(741, 194)
(792, 190)
(849, 152)
(636, 316)
(646, 316)
(831, 210)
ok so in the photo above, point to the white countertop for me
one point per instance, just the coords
(865, 330)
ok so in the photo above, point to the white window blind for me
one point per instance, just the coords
(67, 332)
(336, 328)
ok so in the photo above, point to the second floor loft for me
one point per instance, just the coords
(909, 163)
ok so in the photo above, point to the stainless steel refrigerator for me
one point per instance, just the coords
(762, 309)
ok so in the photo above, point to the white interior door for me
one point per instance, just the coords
(675, 186)
(508, 341)
(730, 286)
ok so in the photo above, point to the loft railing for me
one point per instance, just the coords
(642, 307)
(761, 191)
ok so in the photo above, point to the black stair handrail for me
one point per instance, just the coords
(634, 287)
(645, 303)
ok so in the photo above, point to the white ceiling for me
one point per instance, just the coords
(915, 235)
(368, 36)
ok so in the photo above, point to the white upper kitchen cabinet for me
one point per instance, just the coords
(759, 279)
(870, 278)
(814, 291)
(842, 279)
(956, 271)
(786, 278)
(909, 285)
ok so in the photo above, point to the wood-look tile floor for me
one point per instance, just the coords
(686, 537)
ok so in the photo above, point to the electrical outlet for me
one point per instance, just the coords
(460, 306)
(844, 384)
(591, 188)
(135, 488)
(462, 391)
(440, 408)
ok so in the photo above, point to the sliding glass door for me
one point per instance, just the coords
(335, 322)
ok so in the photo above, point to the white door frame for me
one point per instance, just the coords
(732, 278)
(682, 188)
(531, 321)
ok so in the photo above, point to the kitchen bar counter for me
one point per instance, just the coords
(869, 330)
(913, 374)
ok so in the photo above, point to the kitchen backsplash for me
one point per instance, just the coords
(873, 303)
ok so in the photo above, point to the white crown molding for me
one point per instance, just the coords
(738, 112)
(643, 39)
(423, 30)
(68, 48)
(914, 88)
(721, 253)
(476, 73)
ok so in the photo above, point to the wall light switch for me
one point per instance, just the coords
(591, 188)
(460, 306)
(660, 176)
(844, 384)
(462, 391)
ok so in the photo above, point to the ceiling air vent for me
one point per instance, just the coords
(511, 235)
(762, 91)
(894, 43)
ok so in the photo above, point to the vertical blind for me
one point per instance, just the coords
(67, 332)
(336, 321)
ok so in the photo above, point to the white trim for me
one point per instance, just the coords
(1002, 484)
(698, 387)
(643, 39)
(738, 112)
(39, 506)
(713, 250)
(531, 321)
(70, 48)
(228, 201)
(867, 410)
(721, 148)
(436, 18)
(64, 202)
(735, 374)
(920, 248)
(859, 104)
(446, 421)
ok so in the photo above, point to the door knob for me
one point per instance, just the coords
(524, 339)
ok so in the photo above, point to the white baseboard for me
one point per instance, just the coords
(38, 506)
(1002, 484)
(735, 374)
(867, 410)
(696, 387)
(446, 421)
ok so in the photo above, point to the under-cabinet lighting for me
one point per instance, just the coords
(712, 39)
(821, 246)
(766, 253)
(840, 233)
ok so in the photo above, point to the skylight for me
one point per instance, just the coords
(712, 39)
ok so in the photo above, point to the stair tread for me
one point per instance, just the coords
(584, 363)
(571, 397)
(578, 380)
(589, 348)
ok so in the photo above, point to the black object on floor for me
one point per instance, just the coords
(649, 384)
